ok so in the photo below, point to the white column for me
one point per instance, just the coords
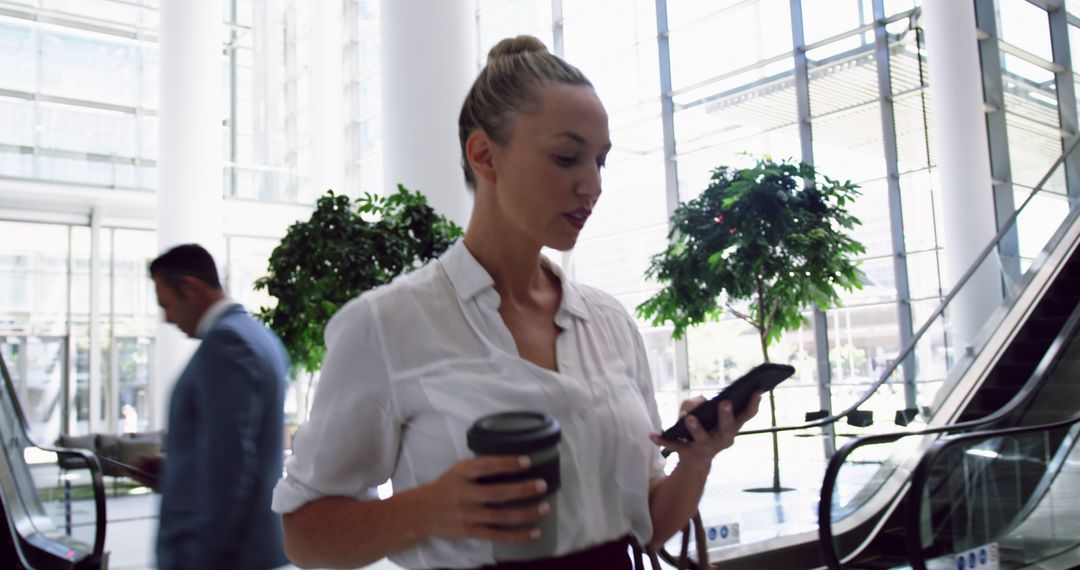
(93, 359)
(267, 80)
(189, 195)
(327, 96)
(429, 58)
(963, 178)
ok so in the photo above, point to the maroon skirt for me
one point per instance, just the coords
(614, 555)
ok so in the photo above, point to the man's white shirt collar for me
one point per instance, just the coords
(211, 316)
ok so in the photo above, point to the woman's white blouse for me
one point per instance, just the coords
(410, 366)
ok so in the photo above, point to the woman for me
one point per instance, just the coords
(493, 326)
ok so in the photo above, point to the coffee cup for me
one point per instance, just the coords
(536, 435)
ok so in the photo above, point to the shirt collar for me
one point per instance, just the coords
(470, 279)
(212, 315)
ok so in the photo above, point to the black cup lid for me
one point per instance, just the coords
(513, 432)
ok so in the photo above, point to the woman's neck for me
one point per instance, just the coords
(514, 266)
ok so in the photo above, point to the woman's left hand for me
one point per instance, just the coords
(707, 444)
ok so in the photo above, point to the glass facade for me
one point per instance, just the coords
(47, 312)
(50, 315)
(78, 95)
(78, 105)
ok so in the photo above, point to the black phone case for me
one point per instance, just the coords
(765, 376)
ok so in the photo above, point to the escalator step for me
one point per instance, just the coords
(1042, 327)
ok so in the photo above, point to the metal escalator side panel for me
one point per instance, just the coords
(1057, 367)
(1017, 490)
(1037, 459)
(37, 538)
(11, 555)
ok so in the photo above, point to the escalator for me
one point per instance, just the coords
(968, 488)
(998, 380)
(1014, 499)
(53, 499)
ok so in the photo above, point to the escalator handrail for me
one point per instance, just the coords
(97, 482)
(922, 473)
(86, 456)
(909, 348)
(1053, 354)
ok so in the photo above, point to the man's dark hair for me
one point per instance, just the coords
(189, 260)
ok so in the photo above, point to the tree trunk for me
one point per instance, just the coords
(772, 416)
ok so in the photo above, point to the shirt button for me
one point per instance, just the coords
(583, 413)
(565, 364)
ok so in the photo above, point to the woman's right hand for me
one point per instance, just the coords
(460, 507)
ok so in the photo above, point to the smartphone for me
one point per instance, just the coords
(129, 468)
(763, 377)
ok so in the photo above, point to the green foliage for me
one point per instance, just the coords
(758, 235)
(343, 250)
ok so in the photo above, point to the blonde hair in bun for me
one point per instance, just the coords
(509, 84)
(516, 45)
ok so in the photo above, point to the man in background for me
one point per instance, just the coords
(225, 427)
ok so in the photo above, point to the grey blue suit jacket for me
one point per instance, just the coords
(224, 451)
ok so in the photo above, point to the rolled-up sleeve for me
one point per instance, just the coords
(349, 444)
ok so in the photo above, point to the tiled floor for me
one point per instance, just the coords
(132, 530)
(761, 516)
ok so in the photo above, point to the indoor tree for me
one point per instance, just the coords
(762, 243)
(345, 248)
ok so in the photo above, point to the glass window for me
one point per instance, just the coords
(862, 341)
(1025, 26)
(898, 6)
(33, 267)
(925, 271)
(730, 122)
(696, 166)
(148, 79)
(136, 309)
(16, 164)
(16, 122)
(249, 259)
(596, 29)
(872, 209)
(740, 35)
(1039, 220)
(879, 283)
(89, 67)
(620, 90)
(720, 352)
(505, 18)
(846, 114)
(121, 15)
(931, 352)
(616, 262)
(823, 19)
(87, 130)
(922, 212)
(911, 109)
(33, 318)
(133, 379)
(661, 351)
(18, 56)
(36, 365)
(633, 198)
